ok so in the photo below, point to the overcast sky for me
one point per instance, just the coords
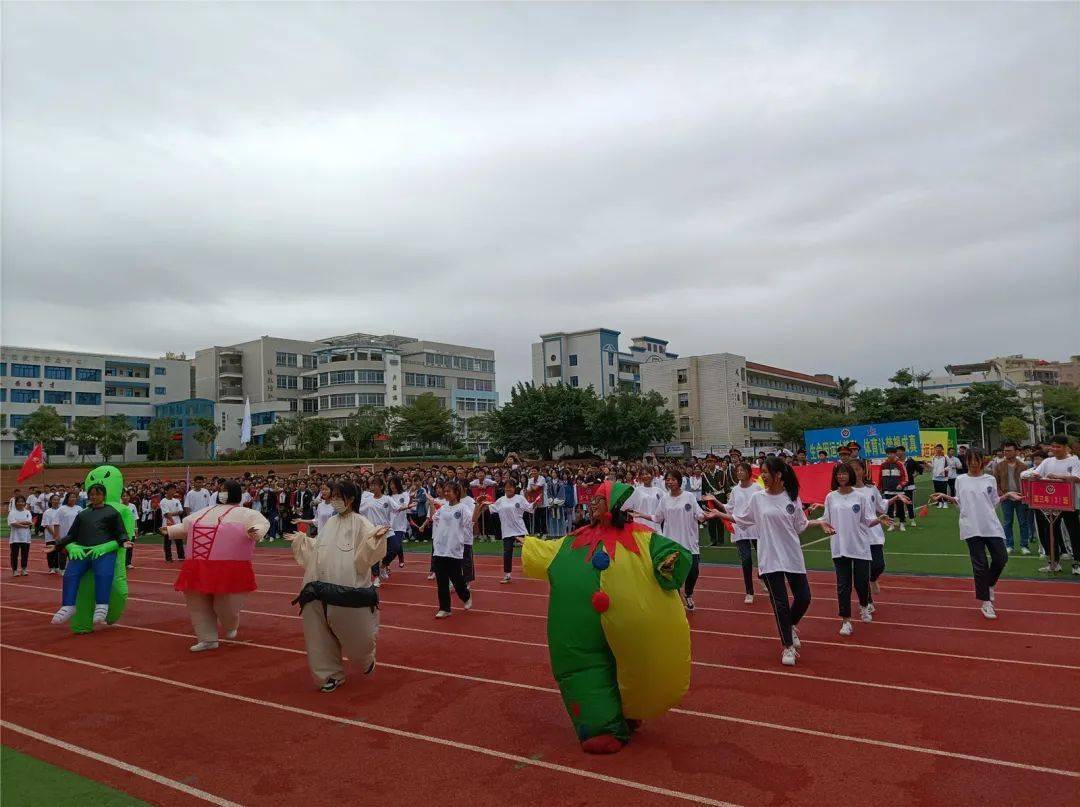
(830, 188)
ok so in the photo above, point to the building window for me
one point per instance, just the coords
(611, 380)
(25, 370)
(573, 359)
(573, 381)
(285, 359)
(22, 447)
(159, 390)
(86, 374)
(286, 382)
(57, 397)
(88, 398)
(309, 362)
(341, 377)
(3, 368)
(684, 400)
(119, 391)
(553, 371)
(309, 383)
(610, 357)
(342, 401)
(3, 396)
(142, 447)
(293, 405)
(682, 377)
(370, 377)
(139, 422)
(159, 371)
(58, 373)
(310, 405)
(370, 399)
(25, 396)
(480, 384)
(684, 425)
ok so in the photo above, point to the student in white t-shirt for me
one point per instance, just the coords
(679, 516)
(1063, 466)
(778, 519)
(875, 535)
(20, 520)
(744, 538)
(50, 524)
(376, 508)
(448, 525)
(846, 520)
(172, 512)
(511, 508)
(645, 500)
(977, 498)
(125, 501)
(198, 498)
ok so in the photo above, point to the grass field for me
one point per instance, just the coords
(28, 781)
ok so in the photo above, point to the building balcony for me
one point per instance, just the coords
(231, 370)
(225, 393)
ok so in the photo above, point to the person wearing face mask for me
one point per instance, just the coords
(338, 603)
(217, 571)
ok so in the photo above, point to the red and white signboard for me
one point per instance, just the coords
(1048, 494)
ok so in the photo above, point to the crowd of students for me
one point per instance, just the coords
(452, 505)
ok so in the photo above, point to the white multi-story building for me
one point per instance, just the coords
(82, 385)
(263, 370)
(722, 401)
(592, 358)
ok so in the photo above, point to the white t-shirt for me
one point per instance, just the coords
(67, 515)
(41, 505)
(738, 503)
(875, 536)
(376, 510)
(134, 511)
(679, 519)
(448, 531)
(197, 500)
(19, 535)
(539, 482)
(51, 518)
(939, 468)
(399, 512)
(171, 512)
(978, 498)
(31, 503)
(469, 503)
(778, 522)
(511, 514)
(323, 511)
(1070, 466)
(849, 514)
(644, 499)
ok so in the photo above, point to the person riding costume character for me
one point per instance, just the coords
(96, 543)
(617, 631)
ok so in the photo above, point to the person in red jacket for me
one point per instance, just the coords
(893, 482)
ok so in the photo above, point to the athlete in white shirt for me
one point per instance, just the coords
(50, 523)
(511, 508)
(977, 498)
(1063, 466)
(744, 538)
(20, 520)
(645, 500)
(172, 511)
(448, 547)
(198, 498)
(377, 508)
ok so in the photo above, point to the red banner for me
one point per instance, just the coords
(483, 493)
(1048, 494)
(815, 481)
(34, 464)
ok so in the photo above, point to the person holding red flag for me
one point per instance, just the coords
(34, 465)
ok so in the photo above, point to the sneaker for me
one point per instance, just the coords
(468, 604)
(689, 603)
(892, 528)
(865, 614)
(991, 593)
(846, 629)
(199, 647)
(1008, 550)
(913, 524)
(988, 610)
(25, 573)
(795, 639)
(748, 599)
(506, 579)
(871, 608)
(377, 582)
(100, 612)
(787, 658)
(63, 615)
(331, 684)
(15, 573)
(442, 614)
(1025, 551)
(875, 587)
(1050, 567)
(232, 634)
(1076, 568)
(902, 527)
(1065, 555)
(431, 576)
(371, 668)
(384, 573)
(401, 564)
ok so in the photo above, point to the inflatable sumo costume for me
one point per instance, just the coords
(617, 631)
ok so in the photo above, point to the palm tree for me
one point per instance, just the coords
(902, 377)
(922, 377)
(844, 386)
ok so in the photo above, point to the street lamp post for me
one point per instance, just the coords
(982, 428)
(1054, 420)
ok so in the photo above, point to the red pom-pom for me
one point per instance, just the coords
(600, 602)
(575, 709)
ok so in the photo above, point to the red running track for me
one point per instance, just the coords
(929, 704)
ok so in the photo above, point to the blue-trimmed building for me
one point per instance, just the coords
(593, 358)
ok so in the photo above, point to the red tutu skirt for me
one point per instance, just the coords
(216, 576)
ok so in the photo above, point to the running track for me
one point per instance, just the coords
(931, 704)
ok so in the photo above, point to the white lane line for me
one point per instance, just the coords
(706, 664)
(115, 763)
(408, 735)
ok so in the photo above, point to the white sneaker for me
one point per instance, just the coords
(988, 610)
(100, 612)
(689, 603)
(991, 594)
(63, 615)
(865, 614)
(892, 528)
(1025, 551)
(25, 573)
(913, 524)
(468, 604)
(871, 608)
(902, 527)
(1076, 568)
(795, 639)
(846, 629)
(384, 574)
(15, 573)
(231, 634)
(1008, 550)
(787, 658)
(1050, 567)
(442, 614)
(431, 576)
(506, 579)
(376, 582)
(748, 599)
(199, 647)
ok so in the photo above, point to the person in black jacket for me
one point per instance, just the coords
(913, 468)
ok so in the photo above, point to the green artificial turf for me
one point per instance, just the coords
(29, 782)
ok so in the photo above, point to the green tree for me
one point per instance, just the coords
(116, 433)
(317, 433)
(206, 431)
(844, 387)
(902, 377)
(86, 434)
(1013, 428)
(278, 435)
(159, 439)
(361, 427)
(625, 424)
(790, 424)
(424, 423)
(543, 418)
(1061, 405)
(992, 402)
(922, 377)
(870, 406)
(42, 426)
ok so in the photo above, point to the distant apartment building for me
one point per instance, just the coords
(84, 385)
(262, 370)
(592, 358)
(1068, 372)
(722, 401)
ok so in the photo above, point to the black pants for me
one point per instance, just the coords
(508, 552)
(895, 508)
(745, 556)
(910, 493)
(1042, 527)
(848, 569)
(447, 572)
(168, 543)
(129, 555)
(691, 579)
(877, 562)
(941, 486)
(56, 559)
(20, 556)
(540, 521)
(787, 614)
(952, 487)
(468, 570)
(716, 531)
(986, 574)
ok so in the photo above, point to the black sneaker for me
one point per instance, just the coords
(369, 669)
(332, 684)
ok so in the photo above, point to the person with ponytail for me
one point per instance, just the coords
(777, 519)
(744, 538)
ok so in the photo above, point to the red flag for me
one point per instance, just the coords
(815, 482)
(34, 464)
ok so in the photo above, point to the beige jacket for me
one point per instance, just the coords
(342, 553)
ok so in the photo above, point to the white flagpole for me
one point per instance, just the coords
(245, 426)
